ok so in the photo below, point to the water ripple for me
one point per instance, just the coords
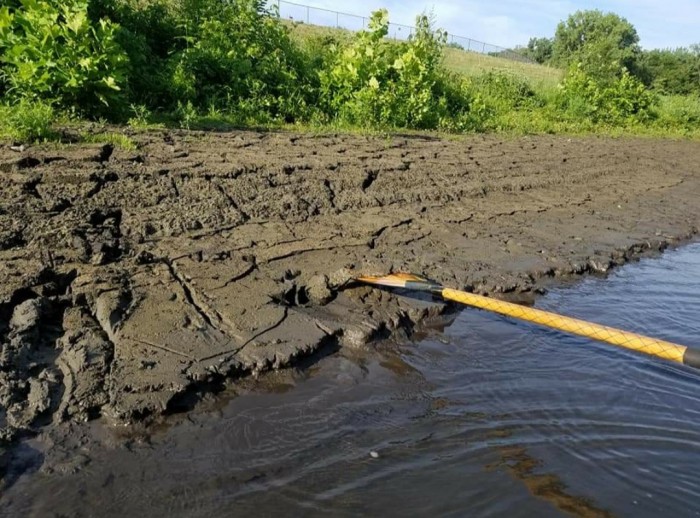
(493, 418)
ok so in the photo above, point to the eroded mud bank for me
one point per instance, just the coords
(128, 279)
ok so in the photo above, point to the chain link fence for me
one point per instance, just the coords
(326, 17)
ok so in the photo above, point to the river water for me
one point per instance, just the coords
(489, 417)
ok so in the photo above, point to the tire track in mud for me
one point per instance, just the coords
(202, 256)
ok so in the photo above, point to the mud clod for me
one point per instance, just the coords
(318, 290)
(105, 153)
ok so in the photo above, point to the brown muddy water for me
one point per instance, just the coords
(487, 417)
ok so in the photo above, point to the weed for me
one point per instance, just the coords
(28, 121)
(186, 114)
(141, 116)
(118, 140)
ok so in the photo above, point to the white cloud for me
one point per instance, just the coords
(660, 24)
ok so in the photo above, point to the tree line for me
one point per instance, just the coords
(606, 43)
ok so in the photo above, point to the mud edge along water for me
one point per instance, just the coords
(133, 281)
(633, 341)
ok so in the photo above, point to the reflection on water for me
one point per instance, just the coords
(491, 417)
(522, 466)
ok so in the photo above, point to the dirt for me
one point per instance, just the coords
(133, 281)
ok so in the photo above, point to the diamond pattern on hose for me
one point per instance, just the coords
(633, 341)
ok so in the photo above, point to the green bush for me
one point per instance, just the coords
(27, 121)
(461, 106)
(677, 111)
(605, 45)
(512, 90)
(377, 82)
(674, 71)
(350, 82)
(238, 58)
(50, 50)
(150, 31)
(621, 101)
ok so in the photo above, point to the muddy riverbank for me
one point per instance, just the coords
(131, 281)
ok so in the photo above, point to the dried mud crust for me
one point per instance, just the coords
(129, 278)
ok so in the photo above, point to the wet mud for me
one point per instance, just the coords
(133, 281)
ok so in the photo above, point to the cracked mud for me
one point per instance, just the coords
(129, 279)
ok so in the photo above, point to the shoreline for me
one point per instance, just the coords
(136, 281)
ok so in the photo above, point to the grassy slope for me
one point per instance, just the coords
(472, 63)
(457, 60)
(544, 79)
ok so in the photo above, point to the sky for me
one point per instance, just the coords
(660, 23)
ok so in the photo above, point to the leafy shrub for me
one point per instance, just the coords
(623, 100)
(461, 106)
(27, 121)
(223, 63)
(377, 82)
(678, 111)
(150, 31)
(505, 91)
(238, 57)
(50, 50)
(355, 70)
(186, 114)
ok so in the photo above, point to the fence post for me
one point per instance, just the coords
(307, 15)
(337, 19)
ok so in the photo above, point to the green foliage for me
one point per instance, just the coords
(621, 101)
(118, 140)
(679, 112)
(27, 121)
(461, 106)
(141, 116)
(186, 114)
(231, 63)
(377, 82)
(503, 102)
(508, 91)
(195, 55)
(672, 71)
(238, 57)
(540, 49)
(605, 44)
(149, 33)
(50, 50)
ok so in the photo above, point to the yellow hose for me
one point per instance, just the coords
(644, 344)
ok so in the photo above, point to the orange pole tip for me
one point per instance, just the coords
(396, 280)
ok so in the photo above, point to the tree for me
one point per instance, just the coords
(695, 50)
(540, 49)
(672, 71)
(605, 44)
